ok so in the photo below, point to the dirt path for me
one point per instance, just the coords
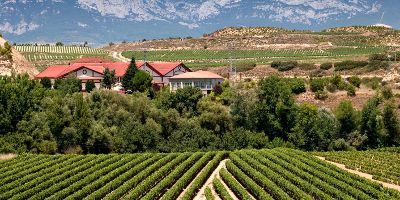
(7, 156)
(201, 196)
(365, 175)
(118, 56)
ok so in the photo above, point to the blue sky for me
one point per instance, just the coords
(103, 21)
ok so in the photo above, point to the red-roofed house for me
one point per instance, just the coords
(92, 69)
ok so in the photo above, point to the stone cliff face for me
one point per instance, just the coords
(18, 64)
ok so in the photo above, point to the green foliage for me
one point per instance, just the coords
(59, 44)
(349, 64)
(373, 83)
(245, 66)
(326, 66)
(355, 81)
(387, 92)
(348, 118)
(108, 78)
(376, 65)
(185, 100)
(127, 82)
(90, 86)
(68, 85)
(218, 89)
(221, 190)
(274, 112)
(317, 84)
(378, 57)
(208, 194)
(321, 95)
(46, 83)
(141, 81)
(351, 90)
(372, 125)
(284, 65)
(297, 85)
(307, 66)
(6, 51)
(391, 123)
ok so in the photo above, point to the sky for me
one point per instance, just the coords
(103, 21)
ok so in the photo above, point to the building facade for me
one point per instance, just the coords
(204, 80)
(86, 69)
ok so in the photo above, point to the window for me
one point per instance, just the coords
(84, 71)
(185, 84)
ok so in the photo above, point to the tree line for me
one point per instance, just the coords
(34, 118)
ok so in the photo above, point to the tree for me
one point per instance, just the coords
(108, 78)
(68, 85)
(90, 86)
(59, 44)
(85, 44)
(347, 117)
(46, 82)
(127, 82)
(217, 89)
(141, 81)
(391, 124)
(274, 113)
(372, 125)
(185, 100)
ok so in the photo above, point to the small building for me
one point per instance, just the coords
(86, 69)
(204, 80)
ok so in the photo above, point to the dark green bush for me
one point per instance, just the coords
(331, 88)
(378, 57)
(387, 92)
(326, 66)
(297, 85)
(351, 90)
(307, 66)
(349, 64)
(355, 80)
(321, 95)
(242, 67)
(317, 84)
(284, 65)
(373, 83)
(376, 65)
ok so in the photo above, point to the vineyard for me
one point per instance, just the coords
(384, 165)
(221, 57)
(42, 55)
(247, 174)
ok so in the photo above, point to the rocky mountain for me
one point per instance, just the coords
(18, 64)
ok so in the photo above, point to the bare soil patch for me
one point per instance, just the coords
(7, 156)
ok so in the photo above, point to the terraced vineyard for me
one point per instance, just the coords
(43, 56)
(248, 174)
(221, 57)
(384, 164)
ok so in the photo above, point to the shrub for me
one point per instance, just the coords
(387, 92)
(376, 65)
(284, 65)
(307, 66)
(242, 67)
(90, 86)
(349, 64)
(355, 81)
(317, 84)
(297, 85)
(321, 95)
(326, 66)
(351, 90)
(373, 83)
(331, 88)
(378, 57)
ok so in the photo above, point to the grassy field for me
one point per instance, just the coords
(200, 58)
(262, 174)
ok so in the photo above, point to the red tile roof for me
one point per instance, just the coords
(197, 75)
(90, 60)
(98, 65)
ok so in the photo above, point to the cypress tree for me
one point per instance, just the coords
(127, 83)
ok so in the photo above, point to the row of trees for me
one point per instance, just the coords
(36, 119)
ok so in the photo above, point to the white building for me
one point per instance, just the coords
(204, 80)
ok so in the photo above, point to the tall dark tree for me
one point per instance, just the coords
(347, 117)
(391, 124)
(372, 125)
(90, 86)
(127, 82)
(108, 78)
